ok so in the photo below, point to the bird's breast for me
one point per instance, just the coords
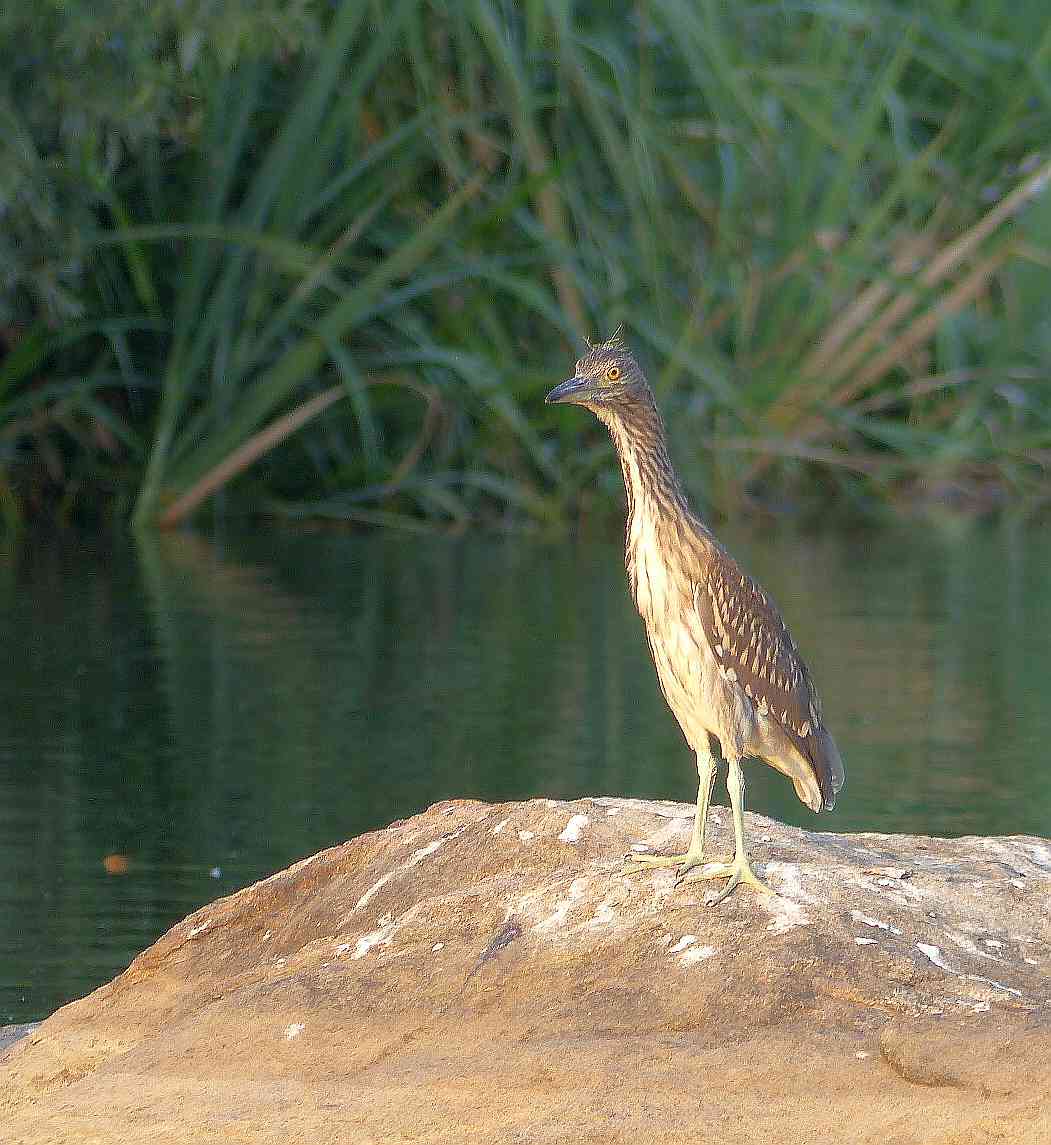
(648, 571)
(700, 697)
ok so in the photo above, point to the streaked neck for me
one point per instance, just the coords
(642, 445)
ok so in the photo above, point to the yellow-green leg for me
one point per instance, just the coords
(694, 856)
(740, 870)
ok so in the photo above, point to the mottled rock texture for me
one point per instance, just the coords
(486, 973)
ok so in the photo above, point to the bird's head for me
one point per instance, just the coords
(606, 378)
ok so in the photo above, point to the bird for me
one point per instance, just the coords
(728, 667)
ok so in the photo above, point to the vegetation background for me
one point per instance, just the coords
(322, 258)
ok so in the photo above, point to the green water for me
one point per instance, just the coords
(215, 710)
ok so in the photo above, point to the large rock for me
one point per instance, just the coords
(486, 973)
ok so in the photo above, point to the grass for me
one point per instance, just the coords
(825, 228)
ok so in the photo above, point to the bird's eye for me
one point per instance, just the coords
(612, 373)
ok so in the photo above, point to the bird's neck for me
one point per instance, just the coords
(641, 443)
(662, 536)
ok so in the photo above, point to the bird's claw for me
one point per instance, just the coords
(737, 872)
(683, 864)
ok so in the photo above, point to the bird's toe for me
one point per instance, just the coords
(736, 873)
(701, 868)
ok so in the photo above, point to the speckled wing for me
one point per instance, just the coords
(754, 648)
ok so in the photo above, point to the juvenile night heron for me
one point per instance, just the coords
(728, 667)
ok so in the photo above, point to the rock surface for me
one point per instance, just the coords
(485, 973)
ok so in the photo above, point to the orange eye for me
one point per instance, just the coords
(612, 373)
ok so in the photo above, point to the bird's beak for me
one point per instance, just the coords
(570, 390)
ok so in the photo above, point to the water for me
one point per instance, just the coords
(214, 711)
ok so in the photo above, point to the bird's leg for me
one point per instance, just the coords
(694, 856)
(740, 870)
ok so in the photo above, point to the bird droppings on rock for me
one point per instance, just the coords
(994, 984)
(498, 829)
(558, 916)
(787, 914)
(696, 954)
(858, 916)
(934, 954)
(604, 915)
(686, 940)
(200, 929)
(376, 887)
(293, 1030)
(572, 830)
(525, 836)
(447, 989)
(888, 875)
(419, 855)
(381, 936)
(964, 943)
(790, 880)
(414, 860)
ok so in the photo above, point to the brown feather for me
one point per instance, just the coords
(750, 639)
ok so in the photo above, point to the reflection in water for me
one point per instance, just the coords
(207, 709)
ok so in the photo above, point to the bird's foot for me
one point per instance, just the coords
(636, 861)
(737, 872)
